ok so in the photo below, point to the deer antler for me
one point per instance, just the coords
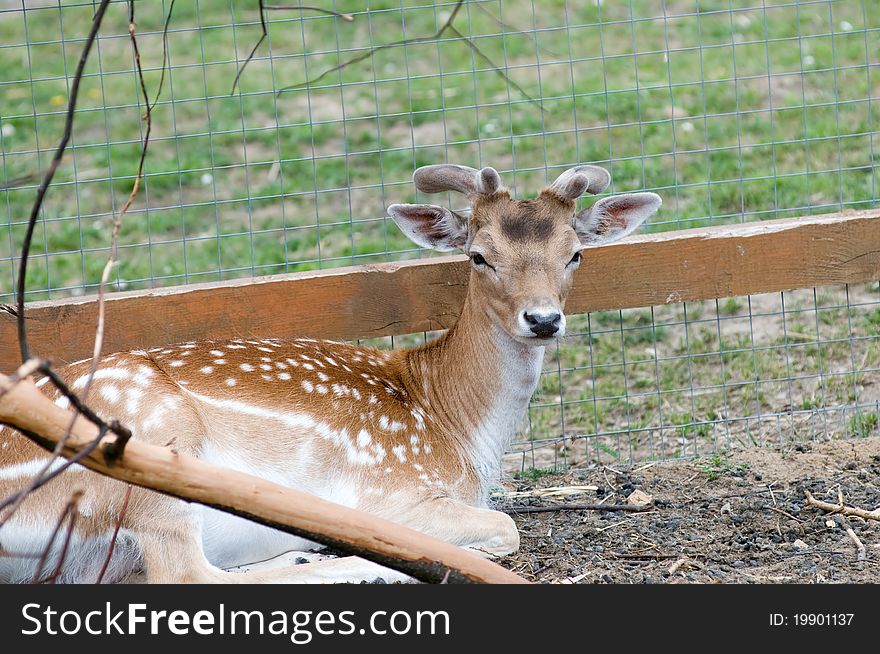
(463, 179)
(576, 181)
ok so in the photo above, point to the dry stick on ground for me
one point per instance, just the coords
(842, 509)
(861, 553)
(158, 468)
(513, 510)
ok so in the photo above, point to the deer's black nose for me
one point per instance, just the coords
(543, 324)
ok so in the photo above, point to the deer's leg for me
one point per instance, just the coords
(486, 532)
(173, 554)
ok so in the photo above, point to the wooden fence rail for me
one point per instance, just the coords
(413, 296)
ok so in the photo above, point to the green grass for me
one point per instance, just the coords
(534, 474)
(654, 114)
(259, 183)
(719, 465)
(863, 425)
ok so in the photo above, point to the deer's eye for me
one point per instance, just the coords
(575, 260)
(478, 259)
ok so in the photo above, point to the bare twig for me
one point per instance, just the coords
(69, 507)
(513, 29)
(44, 476)
(842, 509)
(473, 46)
(15, 182)
(71, 522)
(579, 507)
(861, 554)
(113, 538)
(319, 10)
(164, 54)
(264, 33)
(447, 26)
(50, 174)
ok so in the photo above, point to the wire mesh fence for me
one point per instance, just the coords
(732, 110)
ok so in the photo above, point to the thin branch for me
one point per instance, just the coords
(385, 46)
(473, 46)
(47, 550)
(513, 29)
(634, 508)
(164, 54)
(15, 182)
(71, 522)
(264, 33)
(319, 10)
(50, 174)
(113, 538)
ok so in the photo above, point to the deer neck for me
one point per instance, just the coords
(476, 382)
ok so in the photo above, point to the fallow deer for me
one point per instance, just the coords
(413, 435)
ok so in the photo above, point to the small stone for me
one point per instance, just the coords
(638, 498)
(738, 563)
(800, 545)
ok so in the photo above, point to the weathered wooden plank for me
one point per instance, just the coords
(413, 296)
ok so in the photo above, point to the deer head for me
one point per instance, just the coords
(523, 252)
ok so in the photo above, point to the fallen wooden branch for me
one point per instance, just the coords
(861, 553)
(513, 510)
(842, 509)
(159, 468)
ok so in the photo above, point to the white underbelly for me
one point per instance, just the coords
(231, 541)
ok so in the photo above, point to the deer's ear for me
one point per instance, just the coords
(430, 226)
(614, 217)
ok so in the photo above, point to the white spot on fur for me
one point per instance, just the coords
(232, 381)
(246, 367)
(219, 362)
(207, 370)
(308, 366)
(307, 385)
(265, 366)
(110, 392)
(322, 376)
(216, 353)
(133, 398)
(321, 389)
(284, 376)
(176, 364)
(364, 438)
(399, 452)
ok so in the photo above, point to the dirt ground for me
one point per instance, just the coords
(737, 517)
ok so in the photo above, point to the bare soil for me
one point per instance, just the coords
(737, 517)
